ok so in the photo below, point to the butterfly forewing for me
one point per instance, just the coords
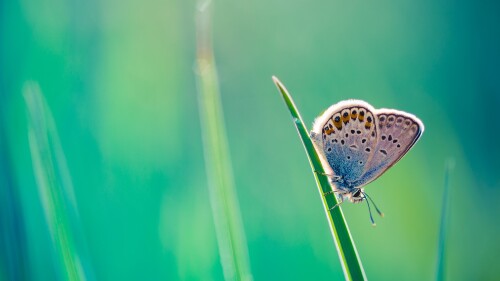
(398, 131)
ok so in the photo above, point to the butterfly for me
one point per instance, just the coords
(358, 143)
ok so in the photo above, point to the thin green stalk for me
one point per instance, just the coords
(55, 189)
(224, 202)
(349, 258)
(440, 273)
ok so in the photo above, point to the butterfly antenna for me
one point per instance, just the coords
(370, 211)
(378, 211)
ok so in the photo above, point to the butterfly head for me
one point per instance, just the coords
(347, 190)
(357, 195)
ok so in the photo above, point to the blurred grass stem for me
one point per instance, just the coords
(441, 257)
(55, 189)
(13, 243)
(224, 202)
(349, 258)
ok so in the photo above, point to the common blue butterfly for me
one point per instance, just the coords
(358, 143)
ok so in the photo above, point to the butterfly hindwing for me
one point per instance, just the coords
(398, 132)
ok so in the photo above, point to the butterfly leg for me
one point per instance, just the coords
(323, 174)
(332, 177)
(336, 179)
(328, 193)
(338, 204)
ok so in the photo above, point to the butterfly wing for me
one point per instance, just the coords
(398, 131)
(344, 135)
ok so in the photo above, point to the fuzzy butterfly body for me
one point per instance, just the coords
(358, 143)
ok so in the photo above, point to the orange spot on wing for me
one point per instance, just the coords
(346, 118)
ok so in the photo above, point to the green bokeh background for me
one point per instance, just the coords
(119, 79)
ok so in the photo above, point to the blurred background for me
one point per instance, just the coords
(119, 79)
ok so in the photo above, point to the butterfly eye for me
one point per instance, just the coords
(357, 193)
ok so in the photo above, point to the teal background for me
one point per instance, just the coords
(119, 79)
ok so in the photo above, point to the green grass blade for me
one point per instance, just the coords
(349, 258)
(228, 225)
(55, 189)
(441, 257)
